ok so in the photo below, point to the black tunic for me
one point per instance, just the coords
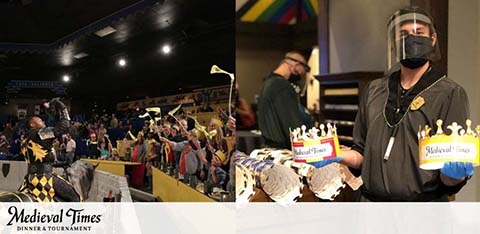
(278, 110)
(40, 182)
(399, 178)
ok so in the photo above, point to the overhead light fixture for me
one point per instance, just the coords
(166, 49)
(122, 62)
(80, 55)
(105, 31)
(66, 78)
(26, 2)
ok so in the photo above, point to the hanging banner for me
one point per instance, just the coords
(36, 110)
(21, 113)
(276, 12)
(219, 93)
(15, 86)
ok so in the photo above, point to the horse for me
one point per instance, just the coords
(77, 178)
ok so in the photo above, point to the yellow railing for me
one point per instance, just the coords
(168, 189)
(114, 167)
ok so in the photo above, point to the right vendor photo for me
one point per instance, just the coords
(357, 101)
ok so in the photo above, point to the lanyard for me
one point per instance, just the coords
(395, 127)
(390, 143)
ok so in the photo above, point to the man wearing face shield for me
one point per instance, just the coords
(279, 107)
(385, 133)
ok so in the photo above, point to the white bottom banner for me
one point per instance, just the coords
(362, 218)
(371, 218)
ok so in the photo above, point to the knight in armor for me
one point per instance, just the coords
(41, 183)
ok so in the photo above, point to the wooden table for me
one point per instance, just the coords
(114, 167)
(346, 195)
(168, 189)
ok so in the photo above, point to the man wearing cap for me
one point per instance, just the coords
(279, 107)
(391, 110)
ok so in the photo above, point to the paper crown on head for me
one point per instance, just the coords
(198, 133)
(217, 122)
(462, 145)
(314, 145)
(222, 156)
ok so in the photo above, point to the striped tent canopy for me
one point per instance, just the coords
(276, 11)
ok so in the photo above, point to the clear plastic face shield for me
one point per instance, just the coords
(412, 39)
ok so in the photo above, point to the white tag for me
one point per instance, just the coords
(389, 148)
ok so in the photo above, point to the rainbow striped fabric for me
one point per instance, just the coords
(276, 11)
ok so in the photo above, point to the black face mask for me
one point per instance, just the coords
(294, 78)
(413, 63)
(417, 49)
(297, 82)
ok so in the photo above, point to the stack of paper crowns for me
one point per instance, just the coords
(315, 144)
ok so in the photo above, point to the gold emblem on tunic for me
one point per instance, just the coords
(417, 103)
(37, 151)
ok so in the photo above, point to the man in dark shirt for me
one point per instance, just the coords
(391, 110)
(279, 107)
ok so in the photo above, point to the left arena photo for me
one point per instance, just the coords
(117, 101)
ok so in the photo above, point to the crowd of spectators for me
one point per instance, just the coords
(173, 143)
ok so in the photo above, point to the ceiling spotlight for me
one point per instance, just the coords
(166, 49)
(66, 78)
(122, 62)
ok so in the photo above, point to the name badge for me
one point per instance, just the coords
(417, 103)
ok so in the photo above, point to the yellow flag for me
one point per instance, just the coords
(144, 115)
(172, 112)
(132, 136)
(153, 109)
(168, 151)
(212, 133)
(202, 128)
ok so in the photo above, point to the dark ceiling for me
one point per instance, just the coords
(38, 40)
